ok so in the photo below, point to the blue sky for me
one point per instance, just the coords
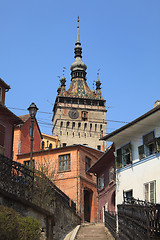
(121, 37)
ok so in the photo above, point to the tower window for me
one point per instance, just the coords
(42, 145)
(85, 125)
(99, 147)
(73, 124)
(67, 124)
(50, 146)
(95, 127)
(73, 134)
(84, 116)
(100, 126)
(79, 125)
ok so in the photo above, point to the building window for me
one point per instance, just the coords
(84, 115)
(64, 163)
(50, 146)
(2, 135)
(150, 192)
(61, 133)
(99, 147)
(79, 134)
(87, 163)
(124, 156)
(95, 127)
(128, 195)
(85, 125)
(73, 134)
(42, 145)
(90, 126)
(101, 182)
(79, 125)
(73, 124)
(64, 144)
(61, 124)
(0, 94)
(150, 145)
(111, 174)
(100, 127)
(30, 131)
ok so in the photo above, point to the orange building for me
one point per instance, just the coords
(67, 168)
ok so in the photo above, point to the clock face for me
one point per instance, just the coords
(73, 113)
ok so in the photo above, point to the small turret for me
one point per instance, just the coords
(98, 88)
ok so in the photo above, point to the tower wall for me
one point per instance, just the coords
(81, 130)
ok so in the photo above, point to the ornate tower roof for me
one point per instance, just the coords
(78, 67)
(79, 87)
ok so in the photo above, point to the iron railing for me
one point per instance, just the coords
(138, 220)
(110, 222)
(35, 187)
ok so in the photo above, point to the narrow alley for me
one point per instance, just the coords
(93, 232)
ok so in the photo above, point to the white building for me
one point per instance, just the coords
(137, 150)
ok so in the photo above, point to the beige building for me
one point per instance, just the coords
(79, 113)
(49, 142)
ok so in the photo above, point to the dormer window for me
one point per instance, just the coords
(150, 145)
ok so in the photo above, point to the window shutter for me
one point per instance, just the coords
(157, 145)
(152, 194)
(119, 159)
(141, 152)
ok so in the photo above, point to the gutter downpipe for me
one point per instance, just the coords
(97, 199)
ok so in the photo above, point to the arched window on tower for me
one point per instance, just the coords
(67, 124)
(95, 127)
(42, 145)
(84, 115)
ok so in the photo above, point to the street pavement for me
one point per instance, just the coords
(93, 232)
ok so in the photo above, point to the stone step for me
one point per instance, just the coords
(93, 232)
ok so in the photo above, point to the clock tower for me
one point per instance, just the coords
(79, 113)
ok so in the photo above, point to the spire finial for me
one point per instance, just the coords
(78, 30)
(63, 79)
(63, 70)
(98, 83)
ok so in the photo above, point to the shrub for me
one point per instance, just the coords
(15, 227)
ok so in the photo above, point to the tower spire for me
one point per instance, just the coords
(78, 68)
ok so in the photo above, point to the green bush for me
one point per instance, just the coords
(15, 227)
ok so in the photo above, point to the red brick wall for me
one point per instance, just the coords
(22, 139)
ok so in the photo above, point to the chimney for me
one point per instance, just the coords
(156, 103)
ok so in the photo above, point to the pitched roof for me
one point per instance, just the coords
(4, 84)
(24, 117)
(152, 111)
(11, 116)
